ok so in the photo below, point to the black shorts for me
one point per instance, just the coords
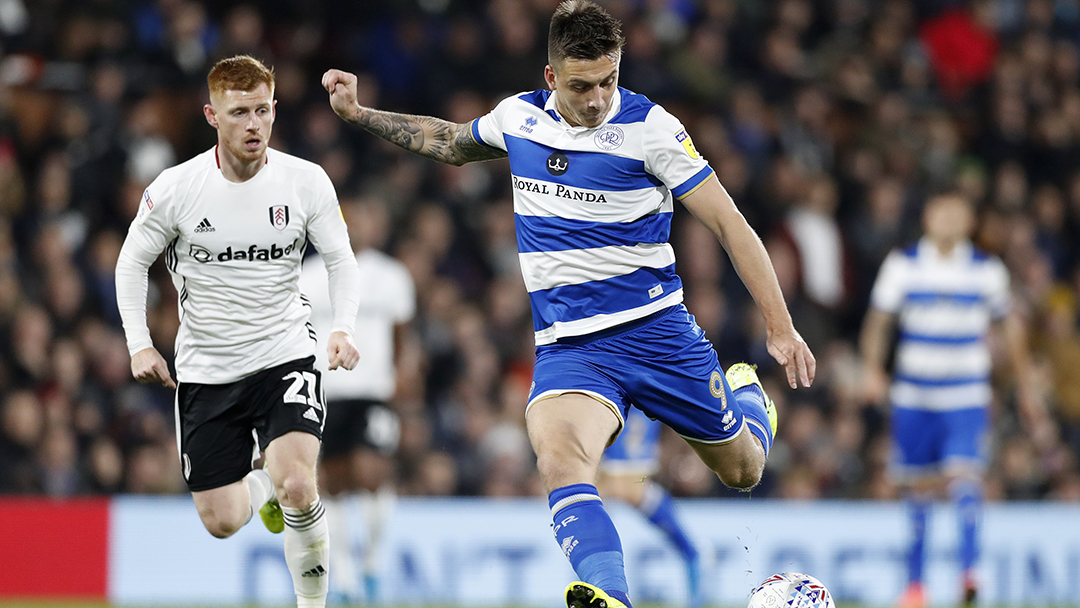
(220, 422)
(360, 423)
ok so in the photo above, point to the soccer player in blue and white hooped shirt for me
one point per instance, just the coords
(946, 295)
(596, 170)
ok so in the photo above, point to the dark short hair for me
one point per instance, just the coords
(581, 29)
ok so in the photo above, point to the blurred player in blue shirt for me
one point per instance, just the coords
(624, 474)
(945, 295)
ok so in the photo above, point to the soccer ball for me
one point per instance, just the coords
(791, 589)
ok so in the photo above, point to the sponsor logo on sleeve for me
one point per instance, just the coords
(688, 144)
(145, 206)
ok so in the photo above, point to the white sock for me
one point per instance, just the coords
(337, 521)
(307, 552)
(260, 489)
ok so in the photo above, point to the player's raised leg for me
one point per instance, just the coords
(291, 460)
(740, 462)
(215, 453)
(757, 407)
(569, 433)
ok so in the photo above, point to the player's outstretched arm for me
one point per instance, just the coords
(712, 205)
(434, 138)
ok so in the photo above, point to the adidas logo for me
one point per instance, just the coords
(311, 415)
(204, 226)
(315, 572)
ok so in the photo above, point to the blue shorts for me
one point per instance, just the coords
(661, 364)
(928, 442)
(637, 450)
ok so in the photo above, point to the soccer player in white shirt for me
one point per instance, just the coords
(945, 295)
(595, 171)
(233, 223)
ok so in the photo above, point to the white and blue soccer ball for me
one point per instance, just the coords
(791, 590)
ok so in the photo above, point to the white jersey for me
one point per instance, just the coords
(593, 208)
(945, 305)
(387, 298)
(234, 252)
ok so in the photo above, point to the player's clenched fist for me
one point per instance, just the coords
(341, 352)
(342, 89)
(148, 366)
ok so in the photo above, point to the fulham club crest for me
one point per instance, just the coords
(279, 216)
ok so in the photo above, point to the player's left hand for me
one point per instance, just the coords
(341, 352)
(789, 350)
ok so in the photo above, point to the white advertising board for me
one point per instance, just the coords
(477, 552)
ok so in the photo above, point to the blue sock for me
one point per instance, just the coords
(751, 400)
(588, 538)
(658, 507)
(967, 494)
(919, 509)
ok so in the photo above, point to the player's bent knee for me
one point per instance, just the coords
(738, 464)
(743, 476)
(221, 527)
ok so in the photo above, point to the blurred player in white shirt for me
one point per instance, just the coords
(234, 222)
(362, 433)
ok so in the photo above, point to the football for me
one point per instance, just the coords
(791, 589)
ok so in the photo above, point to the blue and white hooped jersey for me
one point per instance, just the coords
(593, 208)
(945, 305)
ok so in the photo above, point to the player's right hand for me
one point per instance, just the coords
(342, 89)
(148, 366)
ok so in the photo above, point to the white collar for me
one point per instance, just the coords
(962, 250)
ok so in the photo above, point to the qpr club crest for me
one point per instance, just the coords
(608, 137)
(279, 216)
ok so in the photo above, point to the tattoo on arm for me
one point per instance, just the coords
(433, 138)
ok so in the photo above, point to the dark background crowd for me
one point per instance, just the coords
(829, 122)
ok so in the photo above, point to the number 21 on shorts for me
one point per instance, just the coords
(306, 381)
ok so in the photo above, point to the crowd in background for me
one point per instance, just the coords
(828, 121)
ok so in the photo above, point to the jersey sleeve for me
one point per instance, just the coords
(151, 230)
(889, 288)
(487, 129)
(670, 154)
(327, 231)
(154, 225)
(998, 295)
